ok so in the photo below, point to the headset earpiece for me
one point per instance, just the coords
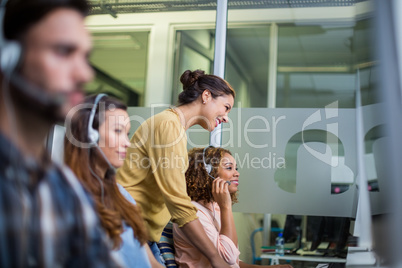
(93, 134)
(10, 56)
(208, 167)
(10, 51)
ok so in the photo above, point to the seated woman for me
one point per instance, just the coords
(95, 144)
(212, 184)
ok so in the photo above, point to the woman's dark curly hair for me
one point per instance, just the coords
(199, 184)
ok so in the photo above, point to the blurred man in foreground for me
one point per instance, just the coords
(46, 217)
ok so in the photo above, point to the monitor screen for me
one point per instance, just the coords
(333, 230)
(292, 231)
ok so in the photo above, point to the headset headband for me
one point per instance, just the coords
(93, 134)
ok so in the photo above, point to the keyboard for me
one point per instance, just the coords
(302, 252)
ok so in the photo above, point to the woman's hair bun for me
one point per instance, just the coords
(196, 82)
(188, 78)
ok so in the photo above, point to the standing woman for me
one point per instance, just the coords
(96, 143)
(153, 171)
(213, 192)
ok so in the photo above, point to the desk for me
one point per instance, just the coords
(275, 259)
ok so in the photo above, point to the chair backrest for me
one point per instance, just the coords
(253, 252)
(252, 242)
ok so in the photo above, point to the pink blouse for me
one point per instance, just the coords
(189, 256)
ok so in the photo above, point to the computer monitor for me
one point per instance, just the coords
(333, 230)
(292, 232)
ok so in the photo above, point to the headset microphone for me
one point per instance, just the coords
(51, 101)
(208, 167)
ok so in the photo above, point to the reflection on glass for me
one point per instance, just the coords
(316, 63)
(330, 152)
(119, 60)
(372, 142)
(194, 50)
(246, 66)
(315, 66)
(247, 58)
(366, 61)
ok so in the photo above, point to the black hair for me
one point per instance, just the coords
(20, 15)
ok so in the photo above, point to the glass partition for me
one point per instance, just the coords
(119, 60)
(305, 60)
(317, 63)
(246, 65)
(195, 50)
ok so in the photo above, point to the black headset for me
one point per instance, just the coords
(10, 57)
